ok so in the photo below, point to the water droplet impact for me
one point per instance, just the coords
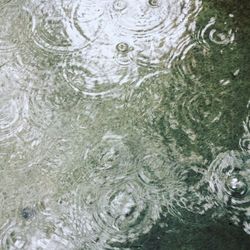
(65, 27)
(229, 179)
(28, 213)
(245, 143)
(157, 35)
(121, 212)
(237, 186)
(120, 5)
(13, 236)
(95, 73)
(122, 47)
(154, 3)
(212, 34)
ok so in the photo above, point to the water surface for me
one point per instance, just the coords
(124, 124)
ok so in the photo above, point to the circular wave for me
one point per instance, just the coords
(155, 27)
(11, 34)
(102, 71)
(152, 171)
(229, 179)
(13, 115)
(42, 233)
(66, 26)
(199, 108)
(245, 143)
(25, 115)
(41, 113)
(111, 154)
(13, 236)
(121, 212)
(211, 34)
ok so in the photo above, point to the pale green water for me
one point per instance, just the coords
(124, 124)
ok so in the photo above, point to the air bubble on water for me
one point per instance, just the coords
(120, 5)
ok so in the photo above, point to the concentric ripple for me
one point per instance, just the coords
(112, 154)
(40, 106)
(121, 211)
(42, 233)
(200, 107)
(229, 180)
(152, 170)
(11, 36)
(25, 115)
(211, 34)
(66, 26)
(13, 112)
(12, 236)
(155, 27)
(102, 71)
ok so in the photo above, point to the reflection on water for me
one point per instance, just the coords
(118, 117)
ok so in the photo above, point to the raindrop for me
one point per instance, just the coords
(156, 34)
(210, 33)
(95, 73)
(120, 5)
(237, 185)
(28, 213)
(229, 178)
(245, 143)
(154, 3)
(122, 47)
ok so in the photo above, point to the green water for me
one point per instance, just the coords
(124, 124)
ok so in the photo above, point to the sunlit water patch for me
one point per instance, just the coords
(115, 41)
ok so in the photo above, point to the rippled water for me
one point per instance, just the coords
(124, 124)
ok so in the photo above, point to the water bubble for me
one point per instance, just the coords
(98, 72)
(122, 47)
(154, 3)
(245, 143)
(120, 5)
(28, 213)
(237, 186)
(156, 33)
(211, 34)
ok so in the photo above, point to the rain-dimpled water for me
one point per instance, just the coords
(124, 124)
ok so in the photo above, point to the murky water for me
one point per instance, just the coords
(124, 124)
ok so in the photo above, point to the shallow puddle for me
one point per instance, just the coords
(124, 124)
